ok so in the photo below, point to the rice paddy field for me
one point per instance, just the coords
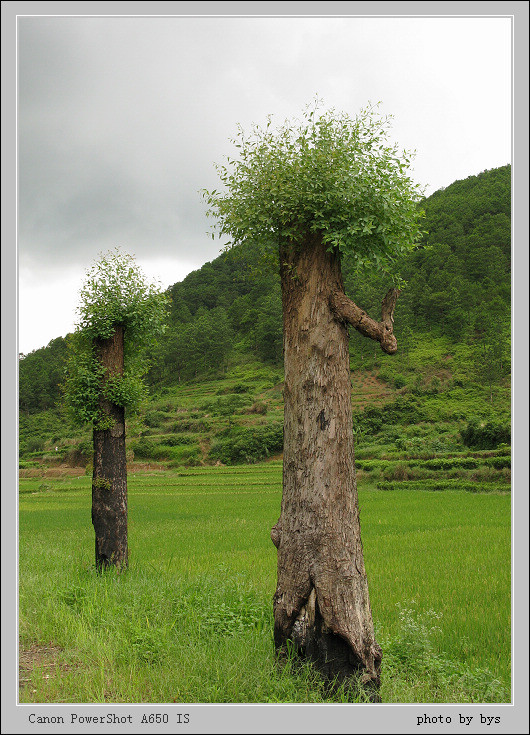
(191, 619)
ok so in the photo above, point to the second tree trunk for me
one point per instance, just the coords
(109, 480)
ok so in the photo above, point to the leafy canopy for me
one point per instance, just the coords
(327, 173)
(115, 293)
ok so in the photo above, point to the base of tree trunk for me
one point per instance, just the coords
(109, 497)
(332, 656)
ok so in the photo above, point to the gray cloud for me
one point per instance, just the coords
(120, 119)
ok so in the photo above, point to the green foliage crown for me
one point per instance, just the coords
(329, 174)
(115, 293)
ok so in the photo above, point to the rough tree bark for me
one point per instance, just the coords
(321, 604)
(109, 479)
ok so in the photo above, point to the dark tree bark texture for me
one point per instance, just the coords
(321, 604)
(109, 480)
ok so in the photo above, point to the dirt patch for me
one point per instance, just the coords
(66, 471)
(43, 658)
(62, 471)
(368, 390)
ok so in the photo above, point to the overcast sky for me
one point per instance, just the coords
(121, 119)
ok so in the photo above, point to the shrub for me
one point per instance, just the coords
(240, 388)
(239, 444)
(384, 376)
(32, 445)
(178, 456)
(444, 464)
(417, 387)
(435, 385)
(192, 424)
(490, 474)
(237, 388)
(143, 448)
(258, 407)
(399, 472)
(227, 405)
(499, 463)
(154, 419)
(369, 421)
(404, 410)
(400, 381)
(79, 454)
(485, 436)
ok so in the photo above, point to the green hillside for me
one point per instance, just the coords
(216, 377)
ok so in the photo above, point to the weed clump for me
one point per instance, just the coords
(411, 655)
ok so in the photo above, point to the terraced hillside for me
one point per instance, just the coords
(420, 428)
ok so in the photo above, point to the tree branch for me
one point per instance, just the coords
(382, 332)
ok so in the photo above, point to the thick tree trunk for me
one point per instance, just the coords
(321, 604)
(109, 480)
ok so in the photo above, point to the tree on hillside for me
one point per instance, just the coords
(120, 315)
(197, 346)
(40, 374)
(310, 192)
(492, 354)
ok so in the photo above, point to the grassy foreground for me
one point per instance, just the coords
(191, 620)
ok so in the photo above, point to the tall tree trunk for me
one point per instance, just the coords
(321, 604)
(109, 480)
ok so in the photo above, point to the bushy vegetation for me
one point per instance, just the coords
(403, 410)
(486, 435)
(237, 445)
(171, 449)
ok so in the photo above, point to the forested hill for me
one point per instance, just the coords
(229, 310)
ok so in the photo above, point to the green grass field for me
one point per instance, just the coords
(191, 620)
